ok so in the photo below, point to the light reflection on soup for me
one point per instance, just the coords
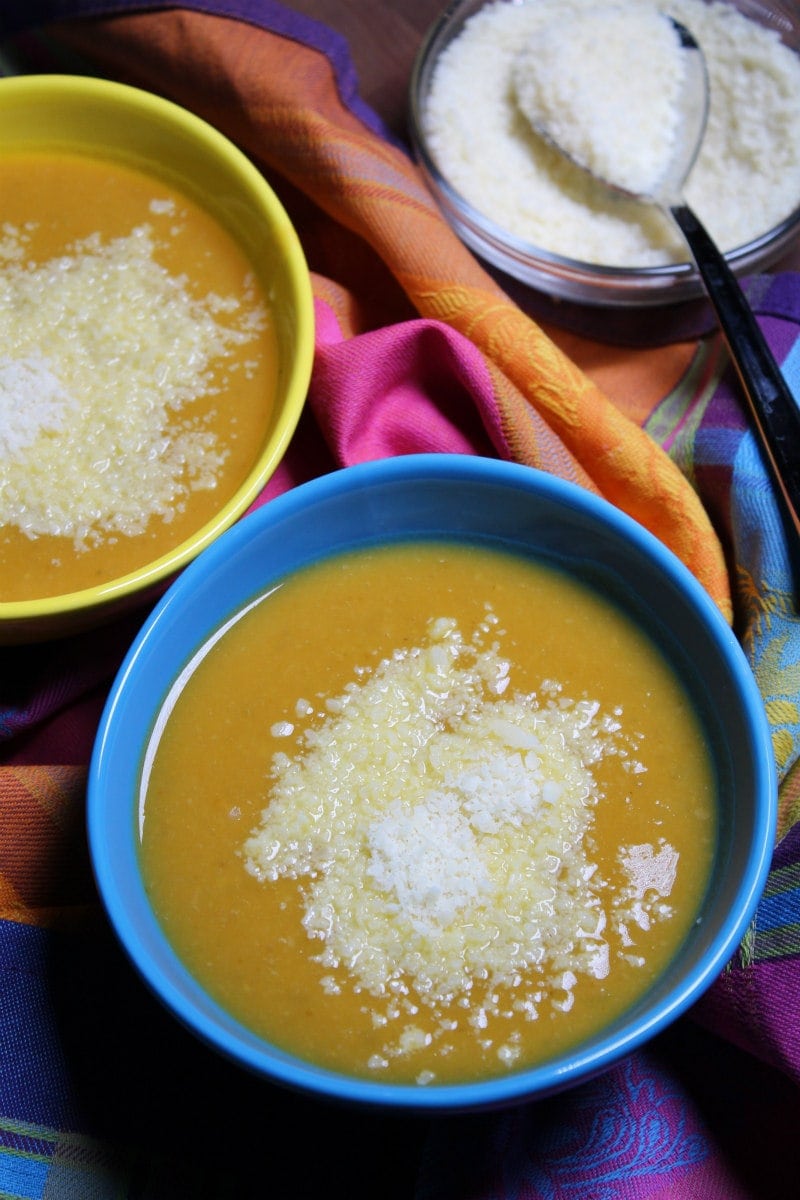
(429, 813)
(137, 371)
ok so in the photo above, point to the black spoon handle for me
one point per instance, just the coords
(775, 412)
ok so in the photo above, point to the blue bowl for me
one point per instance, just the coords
(504, 505)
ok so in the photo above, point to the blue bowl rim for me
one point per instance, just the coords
(571, 1067)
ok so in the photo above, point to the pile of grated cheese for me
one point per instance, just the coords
(438, 825)
(485, 147)
(102, 351)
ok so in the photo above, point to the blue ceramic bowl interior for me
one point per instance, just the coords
(503, 504)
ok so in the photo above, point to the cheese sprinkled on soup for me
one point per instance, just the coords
(429, 847)
(137, 370)
(102, 348)
(441, 822)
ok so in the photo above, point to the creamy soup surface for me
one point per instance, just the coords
(428, 813)
(137, 371)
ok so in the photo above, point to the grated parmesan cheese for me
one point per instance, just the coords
(486, 149)
(621, 118)
(103, 352)
(439, 827)
(32, 402)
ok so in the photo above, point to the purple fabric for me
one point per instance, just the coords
(19, 15)
(652, 1129)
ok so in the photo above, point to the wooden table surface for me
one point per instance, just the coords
(384, 36)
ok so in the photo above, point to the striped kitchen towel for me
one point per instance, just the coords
(417, 348)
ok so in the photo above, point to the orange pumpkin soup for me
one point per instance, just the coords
(137, 371)
(428, 813)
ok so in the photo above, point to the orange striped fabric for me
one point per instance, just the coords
(45, 877)
(278, 100)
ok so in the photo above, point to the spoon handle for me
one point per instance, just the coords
(775, 412)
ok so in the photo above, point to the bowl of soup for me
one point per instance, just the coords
(436, 783)
(157, 329)
(526, 210)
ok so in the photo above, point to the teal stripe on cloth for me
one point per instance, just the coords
(777, 943)
(783, 887)
(791, 368)
(38, 1162)
(22, 1177)
(778, 922)
(773, 912)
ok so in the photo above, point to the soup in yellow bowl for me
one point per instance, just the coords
(157, 332)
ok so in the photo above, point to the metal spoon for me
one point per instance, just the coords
(774, 410)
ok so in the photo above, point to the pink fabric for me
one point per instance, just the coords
(412, 388)
(403, 389)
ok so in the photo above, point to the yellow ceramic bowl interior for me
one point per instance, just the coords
(131, 126)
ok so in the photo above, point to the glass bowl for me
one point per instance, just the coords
(569, 278)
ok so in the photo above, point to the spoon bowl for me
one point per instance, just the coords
(773, 409)
(661, 106)
(693, 105)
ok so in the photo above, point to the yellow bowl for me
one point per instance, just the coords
(132, 127)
